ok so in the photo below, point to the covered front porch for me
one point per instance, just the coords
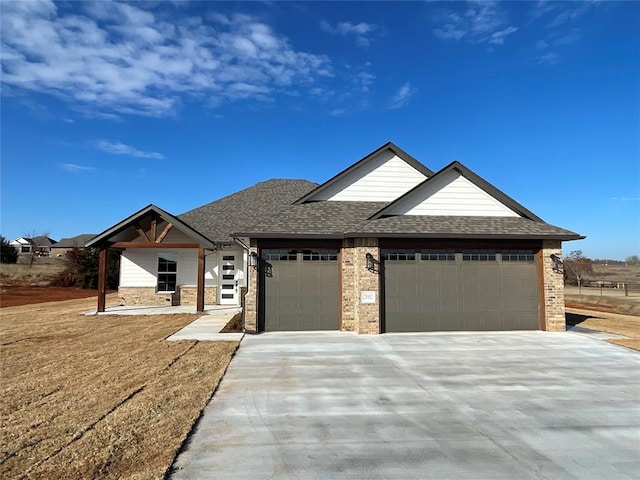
(163, 256)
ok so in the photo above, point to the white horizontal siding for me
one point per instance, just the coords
(383, 178)
(452, 194)
(139, 267)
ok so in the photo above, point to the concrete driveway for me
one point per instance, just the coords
(530, 405)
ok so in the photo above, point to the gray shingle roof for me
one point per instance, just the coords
(218, 220)
(43, 241)
(460, 227)
(77, 241)
(331, 219)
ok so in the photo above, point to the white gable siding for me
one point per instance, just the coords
(382, 179)
(139, 267)
(452, 194)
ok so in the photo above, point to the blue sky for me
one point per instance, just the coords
(107, 107)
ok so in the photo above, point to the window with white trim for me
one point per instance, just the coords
(167, 272)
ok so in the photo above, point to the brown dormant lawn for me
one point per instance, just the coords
(99, 397)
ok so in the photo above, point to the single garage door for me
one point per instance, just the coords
(443, 290)
(301, 289)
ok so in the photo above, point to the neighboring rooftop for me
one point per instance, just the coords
(77, 241)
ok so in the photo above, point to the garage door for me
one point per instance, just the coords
(443, 290)
(301, 289)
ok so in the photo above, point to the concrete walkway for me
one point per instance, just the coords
(526, 405)
(206, 327)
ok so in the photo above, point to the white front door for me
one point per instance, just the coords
(228, 284)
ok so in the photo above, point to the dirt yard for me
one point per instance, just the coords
(99, 397)
(16, 295)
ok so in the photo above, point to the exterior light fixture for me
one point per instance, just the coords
(558, 266)
(372, 263)
(254, 261)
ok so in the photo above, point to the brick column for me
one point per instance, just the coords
(357, 316)
(553, 288)
(251, 298)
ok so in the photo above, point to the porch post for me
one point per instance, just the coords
(102, 279)
(200, 287)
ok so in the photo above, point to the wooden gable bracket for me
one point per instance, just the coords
(154, 226)
(164, 232)
(140, 231)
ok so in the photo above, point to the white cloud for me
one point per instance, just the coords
(497, 38)
(117, 148)
(72, 167)
(359, 30)
(548, 58)
(626, 199)
(475, 21)
(402, 96)
(110, 59)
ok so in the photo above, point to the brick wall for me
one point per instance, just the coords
(357, 316)
(554, 314)
(146, 296)
(251, 297)
(189, 293)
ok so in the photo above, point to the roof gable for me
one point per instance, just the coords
(127, 229)
(381, 176)
(456, 191)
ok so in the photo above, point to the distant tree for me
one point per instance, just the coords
(578, 266)
(633, 260)
(8, 254)
(81, 269)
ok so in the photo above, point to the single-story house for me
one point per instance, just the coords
(61, 248)
(40, 245)
(386, 245)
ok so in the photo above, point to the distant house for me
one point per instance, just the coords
(64, 245)
(40, 245)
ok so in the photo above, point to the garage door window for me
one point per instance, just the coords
(479, 255)
(280, 254)
(326, 255)
(398, 254)
(518, 256)
(438, 255)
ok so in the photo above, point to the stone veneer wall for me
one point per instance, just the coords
(357, 316)
(553, 285)
(251, 297)
(146, 296)
(188, 294)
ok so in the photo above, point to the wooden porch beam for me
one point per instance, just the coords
(200, 286)
(154, 245)
(102, 279)
(164, 232)
(141, 232)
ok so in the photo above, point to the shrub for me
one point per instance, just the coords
(81, 269)
(8, 254)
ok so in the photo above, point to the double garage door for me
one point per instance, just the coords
(423, 290)
(301, 289)
(445, 290)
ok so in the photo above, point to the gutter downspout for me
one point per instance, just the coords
(246, 248)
